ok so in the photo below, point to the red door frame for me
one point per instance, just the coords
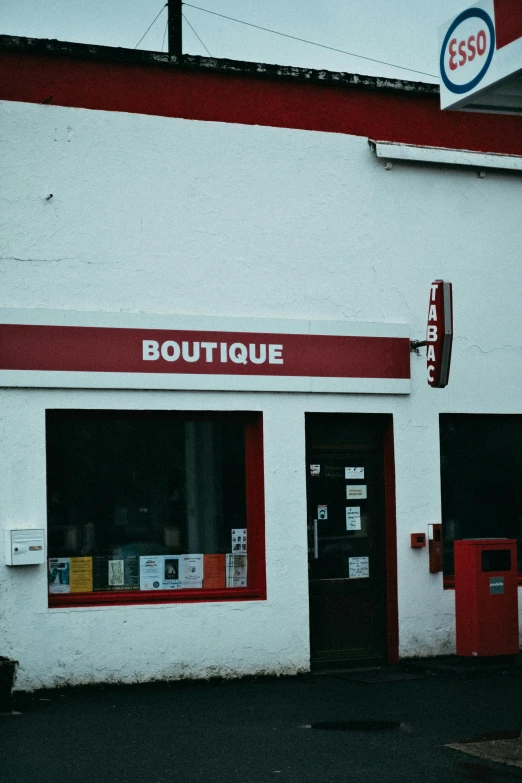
(390, 522)
(392, 605)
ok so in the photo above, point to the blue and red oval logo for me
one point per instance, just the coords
(467, 50)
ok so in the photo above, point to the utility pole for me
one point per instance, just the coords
(175, 29)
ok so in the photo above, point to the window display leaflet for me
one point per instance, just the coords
(236, 571)
(115, 572)
(70, 575)
(239, 541)
(59, 575)
(171, 572)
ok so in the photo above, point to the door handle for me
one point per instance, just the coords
(316, 541)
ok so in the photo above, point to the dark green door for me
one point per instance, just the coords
(346, 544)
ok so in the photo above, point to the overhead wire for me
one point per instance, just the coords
(304, 40)
(151, 24)
(195, 33)
(165, 33)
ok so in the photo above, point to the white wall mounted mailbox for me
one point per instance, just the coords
(24, 547)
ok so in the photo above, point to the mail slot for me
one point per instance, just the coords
(486, 597)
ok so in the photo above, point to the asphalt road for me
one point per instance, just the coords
(258, 730)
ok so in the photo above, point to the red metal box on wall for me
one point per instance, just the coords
(486, 597)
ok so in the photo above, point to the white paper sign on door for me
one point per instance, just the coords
(353, 517)
(354, 473)
(356, 491)
(359, 567)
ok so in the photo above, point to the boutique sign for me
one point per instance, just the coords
(82, 350)
(212, 352)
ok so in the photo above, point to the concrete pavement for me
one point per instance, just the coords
(259, 730)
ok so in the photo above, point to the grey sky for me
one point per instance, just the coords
(398, 31)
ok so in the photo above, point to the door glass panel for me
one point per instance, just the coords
(339, 526)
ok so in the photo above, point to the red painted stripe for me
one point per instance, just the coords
(387, 116)
(508, 22)
(93, 349)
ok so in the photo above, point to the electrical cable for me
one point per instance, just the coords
(165, 33)
(195, 33)
(150, 25)
(313, 43)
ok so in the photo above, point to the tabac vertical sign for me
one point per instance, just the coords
(439, 335)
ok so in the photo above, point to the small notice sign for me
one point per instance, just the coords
(81, 574)
(59, 575)
(322, 512)
(116, 573)
(214, 572)
(356, 492)
(358, 567)
(239, 541)
(353, 517)
(236, 571)
(354, 473)
(192, 570)
(315, 470)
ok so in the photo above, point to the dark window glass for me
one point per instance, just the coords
(496, 560)
(481, 479)
(126, 485)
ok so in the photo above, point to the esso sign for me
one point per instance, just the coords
(467, 50)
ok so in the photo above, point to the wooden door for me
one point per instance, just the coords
(347, 557)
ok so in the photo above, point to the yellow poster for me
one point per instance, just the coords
(81, 574)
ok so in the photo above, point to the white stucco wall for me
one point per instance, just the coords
(151, 214)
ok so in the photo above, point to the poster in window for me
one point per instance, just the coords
(151, 572)
(107, 577)
(59, 575)
(192, 570)
(239, 541)
(214, 577)
(161, 572)
(116, 573)
(172, 572)
(236, 570)
(81, 574)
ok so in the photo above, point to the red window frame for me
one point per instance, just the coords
(255, 502)
(448, 580)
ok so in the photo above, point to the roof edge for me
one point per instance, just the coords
(191, 62)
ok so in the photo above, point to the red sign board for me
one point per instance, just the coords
(439, 335)
(87, 349)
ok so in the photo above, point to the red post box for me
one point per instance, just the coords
(486, 597)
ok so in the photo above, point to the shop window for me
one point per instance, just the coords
(481, 487)
(154, 506)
